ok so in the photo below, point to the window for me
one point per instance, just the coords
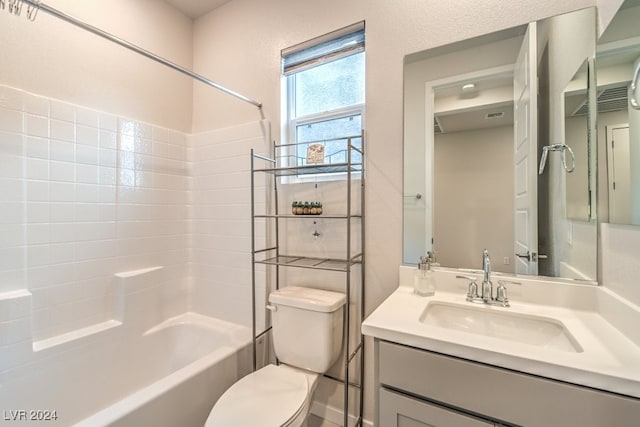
(325, 100)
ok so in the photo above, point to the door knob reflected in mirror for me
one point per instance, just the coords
(531, 256)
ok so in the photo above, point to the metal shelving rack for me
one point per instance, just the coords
(277, 168)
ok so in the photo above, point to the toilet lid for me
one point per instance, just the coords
(270, 396)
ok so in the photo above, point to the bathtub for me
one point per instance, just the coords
(178, 369)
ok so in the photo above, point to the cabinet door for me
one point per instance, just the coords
(398, 410)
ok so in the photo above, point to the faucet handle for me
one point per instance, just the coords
(472, 293)
(501, 291)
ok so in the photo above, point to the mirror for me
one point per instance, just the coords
(576, 153)
(618, 58)
(465, 183)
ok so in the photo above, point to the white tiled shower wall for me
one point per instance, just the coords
(221, 218)
(85, 195)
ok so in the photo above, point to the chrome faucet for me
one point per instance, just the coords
(487, 286)
(486, 290)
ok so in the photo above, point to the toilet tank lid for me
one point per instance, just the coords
(308, 298)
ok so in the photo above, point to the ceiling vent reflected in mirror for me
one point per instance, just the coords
(613, 99)
(486, 102)
(479, 117)
(609, 100)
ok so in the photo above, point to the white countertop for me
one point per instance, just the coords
(610, 359)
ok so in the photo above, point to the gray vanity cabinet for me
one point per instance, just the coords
(400, 410)
(416, 387)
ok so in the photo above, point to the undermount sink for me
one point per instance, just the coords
(500, 323)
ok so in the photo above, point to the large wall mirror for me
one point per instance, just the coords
(618, 68)
(481, 116)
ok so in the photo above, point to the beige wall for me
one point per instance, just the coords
(473, 199)
(55, 59)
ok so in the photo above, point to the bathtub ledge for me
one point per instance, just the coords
(74, 335)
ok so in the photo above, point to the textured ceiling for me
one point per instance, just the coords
(196, 8)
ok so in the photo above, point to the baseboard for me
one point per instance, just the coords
(334, 415)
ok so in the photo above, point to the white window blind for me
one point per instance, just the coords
(329, 47)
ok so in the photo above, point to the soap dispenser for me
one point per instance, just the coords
(423, 281)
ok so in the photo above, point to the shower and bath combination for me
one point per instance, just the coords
(60, 357)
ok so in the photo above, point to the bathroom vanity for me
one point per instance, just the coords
(562, 354)
(441, 390)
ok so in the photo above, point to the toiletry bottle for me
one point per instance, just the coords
(423, 281)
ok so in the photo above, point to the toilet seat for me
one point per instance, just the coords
(271, 396)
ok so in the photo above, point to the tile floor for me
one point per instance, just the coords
(314, 421)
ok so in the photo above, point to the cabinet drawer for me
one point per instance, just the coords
(397, 410)
(499, 393)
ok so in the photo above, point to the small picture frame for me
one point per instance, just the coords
(315, 154)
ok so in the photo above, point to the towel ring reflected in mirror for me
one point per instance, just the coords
(558, 147)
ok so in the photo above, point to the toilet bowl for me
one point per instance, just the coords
(307, 340)
(274, 396)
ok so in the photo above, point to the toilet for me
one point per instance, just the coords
(307, 339)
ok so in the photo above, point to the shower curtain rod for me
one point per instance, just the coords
(97, 31)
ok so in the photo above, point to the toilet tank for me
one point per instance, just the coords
(307, 326)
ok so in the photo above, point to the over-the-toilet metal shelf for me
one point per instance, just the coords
(312, 262)
(312, 169)
(321, 216)
(346, 157)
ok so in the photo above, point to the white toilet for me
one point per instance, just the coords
(307, 338)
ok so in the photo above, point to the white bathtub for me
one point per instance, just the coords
(179, 369)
